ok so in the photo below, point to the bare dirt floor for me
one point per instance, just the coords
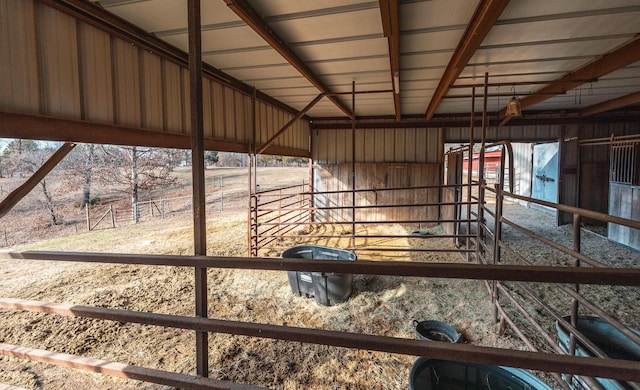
(378, 305)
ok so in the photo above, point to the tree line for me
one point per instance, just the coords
(124, 169)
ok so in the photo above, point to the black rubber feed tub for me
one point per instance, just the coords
(436, 331)
(433, 374)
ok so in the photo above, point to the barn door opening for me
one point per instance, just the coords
(544, 179)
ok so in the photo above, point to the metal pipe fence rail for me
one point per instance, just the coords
(549, 362)
(272, 232)
(495, 250)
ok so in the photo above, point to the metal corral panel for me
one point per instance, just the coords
(378, 145)
(55, 65)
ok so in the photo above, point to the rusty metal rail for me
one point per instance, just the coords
(524, 273)
(621, 369)
(121, 370)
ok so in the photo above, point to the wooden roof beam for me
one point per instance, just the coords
(623, 101)
(617, 59)
(485, 16)
(390, 11)
(255, 21)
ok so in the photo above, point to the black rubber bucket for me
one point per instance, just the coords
(436, 331)
(433, 374)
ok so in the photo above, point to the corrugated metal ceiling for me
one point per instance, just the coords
(344, 41)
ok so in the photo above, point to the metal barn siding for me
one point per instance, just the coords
(378, 145)
(514, 134)
(126, 76)
(96, 78)
(56, 65)
(151, 78)
(19, 79)
(58, 52)
(172, 95)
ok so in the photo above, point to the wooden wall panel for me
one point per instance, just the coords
(624, 201)
(19, 78)
(126, 83)
(378, 177)
(96, 77)
(152, 91)
(58, 54)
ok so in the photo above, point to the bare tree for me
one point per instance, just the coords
(136, 168)
(26, 157)
(81, 167)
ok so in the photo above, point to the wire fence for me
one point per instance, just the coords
(160, 208)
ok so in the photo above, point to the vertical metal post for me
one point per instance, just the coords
(250, 189)
(497, 233)
(576, 263)
(353, 164)
(311, 184)
(481, 170)
(197, 164)
(250, 205)
(470, 169)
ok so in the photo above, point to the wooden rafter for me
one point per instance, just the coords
(623, 101)
(485, 16)
(617, 59)
(255, 21)
(389, 11)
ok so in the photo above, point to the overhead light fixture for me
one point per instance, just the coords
(396, 82)
(513, 107)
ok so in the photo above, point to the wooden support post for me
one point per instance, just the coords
(86, 209)
(113, 218)
(197, 164)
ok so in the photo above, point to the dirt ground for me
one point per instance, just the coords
(378, 305)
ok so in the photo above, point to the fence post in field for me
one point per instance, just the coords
(151, 208)
(88, 220)
(113, 217)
